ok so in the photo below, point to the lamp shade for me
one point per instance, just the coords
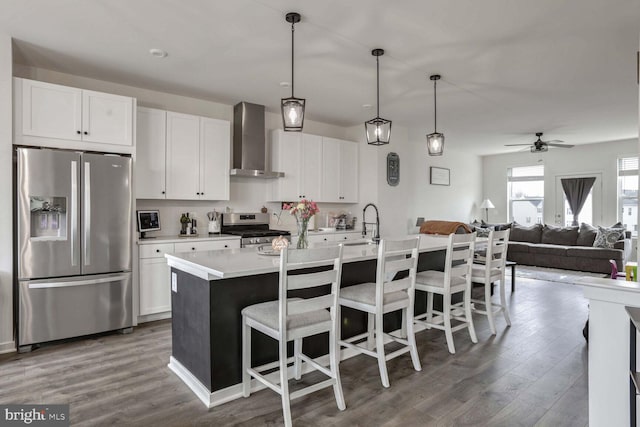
(435, 144)
(378, 131)
(486, 204)
(293, 114)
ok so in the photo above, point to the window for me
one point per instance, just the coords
(525, 186)
(628, 193)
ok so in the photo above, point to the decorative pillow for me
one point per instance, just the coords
(566, 236)
(483, 231)
(520, 233)
(607, 237)
(497, 227)
(586, 235)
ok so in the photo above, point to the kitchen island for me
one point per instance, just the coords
(209, 290)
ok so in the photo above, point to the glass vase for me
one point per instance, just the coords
(303, 233)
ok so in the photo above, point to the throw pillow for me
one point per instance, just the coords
(483, 231)
(520, 233)
(586, 235)
(565, 236)
(607, 237)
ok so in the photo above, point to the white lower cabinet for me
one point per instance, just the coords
(155, 274)
(329, 237)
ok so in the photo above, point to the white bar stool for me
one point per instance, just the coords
(384, 296)
(290, 319)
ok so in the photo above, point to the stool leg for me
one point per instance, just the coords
(430, 309)
(382, 363)
(246, 358)
(370, 330)
(503, 301)
(334, 359)
(489, 307)
(403, 327)
(411, 337)
(297, 349)
(467, 309)
(284, 382)
(446, 322)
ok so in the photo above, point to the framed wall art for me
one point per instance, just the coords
(439, 176)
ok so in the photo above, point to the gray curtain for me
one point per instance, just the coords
(577, 190)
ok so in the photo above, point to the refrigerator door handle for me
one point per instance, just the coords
(87, 213)
(76, 283)
(74, 212)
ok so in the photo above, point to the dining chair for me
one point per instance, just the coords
(291, 319)
(455, 279)
(489, 271)
(384, 296)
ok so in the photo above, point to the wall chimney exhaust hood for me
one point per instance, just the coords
(249, 145)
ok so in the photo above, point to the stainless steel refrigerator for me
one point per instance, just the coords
(73, 244)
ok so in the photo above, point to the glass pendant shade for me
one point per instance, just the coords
(435, 144)
(292, 114)
(378, 131)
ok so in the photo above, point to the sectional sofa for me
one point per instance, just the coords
(570, 248)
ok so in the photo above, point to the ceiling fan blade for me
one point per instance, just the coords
(553, 141)
(514, 145)
(550, 144)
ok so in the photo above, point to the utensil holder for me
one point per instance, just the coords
(214, 227)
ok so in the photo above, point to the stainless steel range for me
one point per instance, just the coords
(252, 227)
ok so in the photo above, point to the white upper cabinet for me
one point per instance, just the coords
(66, 113)
(106, 118)
(340, 171)
(215, 155)
(150, 168)
(183, 156)
(50, 110)
(315, 167)
(198, 157)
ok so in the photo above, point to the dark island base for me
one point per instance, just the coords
(207, 324)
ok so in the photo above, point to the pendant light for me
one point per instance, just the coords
(292, 108)
(435, 140)
(378, 129)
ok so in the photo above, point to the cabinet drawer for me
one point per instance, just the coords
(156, 250)
(317, 238)
(348, 236)
(207, 245)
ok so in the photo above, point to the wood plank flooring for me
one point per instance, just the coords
(534, 373)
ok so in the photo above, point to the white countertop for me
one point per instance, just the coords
(177, 239)
(229, 263)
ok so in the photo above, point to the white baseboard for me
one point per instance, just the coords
(154, 317)
(7, 347)
(216, 398)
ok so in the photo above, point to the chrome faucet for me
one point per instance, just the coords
(376, 237)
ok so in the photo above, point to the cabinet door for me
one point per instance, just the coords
(311, 170)
(183, 152)
(207, 245)
(107, 118)
(331, 166)
(155, 286)
(150, 166)
(349, 172)
(215, 142)
(285, 157)
(51, 111)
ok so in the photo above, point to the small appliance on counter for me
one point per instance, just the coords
(253, 228)
(148, 221)
(214, 222)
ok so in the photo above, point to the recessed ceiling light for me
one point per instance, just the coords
(158, 53)
(366, 106)
(285, 84)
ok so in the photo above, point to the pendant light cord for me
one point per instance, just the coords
(378, 85)
(435, 108)
(292, 37)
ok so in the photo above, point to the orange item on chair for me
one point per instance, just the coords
(443, 227)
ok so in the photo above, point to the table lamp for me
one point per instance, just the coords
(486, 205)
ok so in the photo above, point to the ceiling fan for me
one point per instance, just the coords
(540, 146)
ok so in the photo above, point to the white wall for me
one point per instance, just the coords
(591, 158)
(6, 198)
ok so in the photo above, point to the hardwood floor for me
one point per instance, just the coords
(534, 373)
